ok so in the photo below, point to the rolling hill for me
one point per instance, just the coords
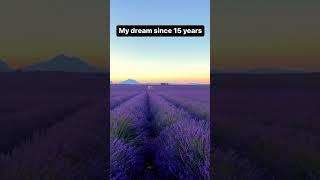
(4, 67)
(63, 63)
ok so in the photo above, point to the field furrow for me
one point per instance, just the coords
(20, 127)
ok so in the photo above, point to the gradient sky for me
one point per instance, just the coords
(248, 34)
(160, 59)
(278, 34)
(35, 30)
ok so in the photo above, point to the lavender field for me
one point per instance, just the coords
(53, 126)
(159, 132)
(266, 126)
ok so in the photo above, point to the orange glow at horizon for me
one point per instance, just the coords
(157, 71)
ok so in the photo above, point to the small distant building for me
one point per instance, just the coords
(164, 84)
(150, 87)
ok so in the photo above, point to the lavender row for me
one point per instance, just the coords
(20, 126)
(196, 92)
(164, 113)
(71, 149)
(228, 164)
(300, 160)
(199, 109)
(127, 136)
(183, 143)
(117, 93)
(117, 100)
(121, 89)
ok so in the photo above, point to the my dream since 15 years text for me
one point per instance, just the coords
(176, 30)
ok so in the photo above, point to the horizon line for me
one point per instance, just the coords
(156, 82)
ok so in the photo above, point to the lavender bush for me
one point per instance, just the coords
(124, 159)
(184, 150)
(127, 125)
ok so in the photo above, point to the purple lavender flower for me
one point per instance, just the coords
(183, 150)
(127, 124)
(124, 159)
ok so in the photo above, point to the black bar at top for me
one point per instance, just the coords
(149, 30)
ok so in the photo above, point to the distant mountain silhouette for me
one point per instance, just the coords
(4, 67)
(258, 71)
(129, 81)
(273, 71)
(63, 63)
